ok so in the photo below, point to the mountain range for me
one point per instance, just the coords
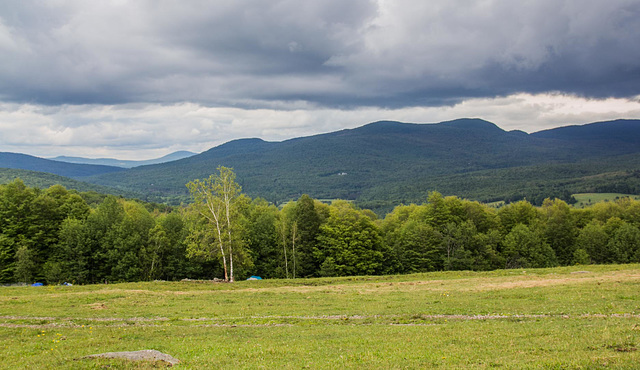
(387, 163)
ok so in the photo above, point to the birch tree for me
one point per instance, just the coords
(215, 199)
(282, 232)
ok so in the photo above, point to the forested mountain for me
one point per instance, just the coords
(384, 163)
(28, 162)
(617, 132)
(126, 163)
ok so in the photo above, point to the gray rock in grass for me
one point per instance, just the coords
(146, 354)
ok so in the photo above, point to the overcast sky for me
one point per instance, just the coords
(140, 79)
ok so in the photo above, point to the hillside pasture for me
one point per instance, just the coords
(582, 316)
(589, 199)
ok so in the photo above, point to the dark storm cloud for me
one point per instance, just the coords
(331, 53)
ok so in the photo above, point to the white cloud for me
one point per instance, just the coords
(139, 131)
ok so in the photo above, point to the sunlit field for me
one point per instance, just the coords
(582, 316)
(589, 199)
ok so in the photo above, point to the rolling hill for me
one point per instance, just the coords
(44, 180)
(384, 163)
(73, 170)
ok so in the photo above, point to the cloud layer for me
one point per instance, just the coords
(331, 53)
(79, 66)
(136, 131)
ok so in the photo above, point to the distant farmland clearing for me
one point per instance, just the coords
(582, 316)
(588, 199)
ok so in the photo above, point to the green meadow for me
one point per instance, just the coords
(589, 199)
(569, 317)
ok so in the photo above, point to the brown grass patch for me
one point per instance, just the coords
(97, 306)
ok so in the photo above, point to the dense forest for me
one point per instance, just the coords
(58, 235)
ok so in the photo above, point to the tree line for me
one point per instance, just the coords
(58, 235)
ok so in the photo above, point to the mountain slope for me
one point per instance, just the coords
(392, 161)
(619, 131)
(28, 162)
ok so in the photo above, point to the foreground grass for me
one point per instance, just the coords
(566, 317)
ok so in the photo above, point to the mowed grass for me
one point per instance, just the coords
(573, 317)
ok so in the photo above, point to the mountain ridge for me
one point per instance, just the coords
(380, 155)
(385, 163)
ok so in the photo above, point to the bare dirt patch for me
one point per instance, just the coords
(97, 306)
(532, 282)
(464, 284)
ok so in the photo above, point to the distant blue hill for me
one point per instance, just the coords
(125, 163)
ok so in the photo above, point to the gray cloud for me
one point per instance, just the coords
(138, 79)
(329, 53)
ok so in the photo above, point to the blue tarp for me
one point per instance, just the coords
(36, 284)
(255, 278)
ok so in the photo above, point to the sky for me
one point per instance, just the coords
(140, 79)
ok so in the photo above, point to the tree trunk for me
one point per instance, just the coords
(283, 233)
(227, 205)
(294, 228)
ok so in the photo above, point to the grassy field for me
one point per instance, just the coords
(589, 199)
(575, 317)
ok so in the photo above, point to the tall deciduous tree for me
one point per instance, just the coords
(24, 264)
(525, 247)
(351, 243)
(594, 241)
(521, 212)
(416, 246)
(306, 223)
(626, 241)
(17, 225)
(560, 229)
(262, 239)
(284, 223)
(215, 199)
